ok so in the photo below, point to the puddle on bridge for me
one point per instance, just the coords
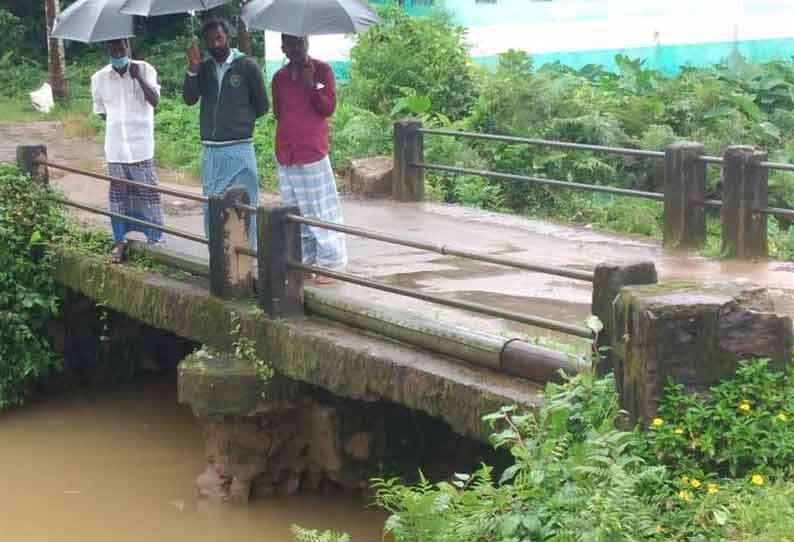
(119, 464)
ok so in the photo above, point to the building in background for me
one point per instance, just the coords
(665, 34)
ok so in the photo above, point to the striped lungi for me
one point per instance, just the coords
(224, 166)
(135, 202)
(312, 188)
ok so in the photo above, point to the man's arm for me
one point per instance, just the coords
(191, 89)
(323, 96)
(257, 90)
(99, 104)
(147, 78)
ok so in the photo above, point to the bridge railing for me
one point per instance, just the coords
(230, 269)
(745, 175)
(280, 271)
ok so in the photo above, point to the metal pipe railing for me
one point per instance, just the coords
(111, 214)
(623, 151)
(136, 184)
(537, 321)
(777, 211)
(444, 249)
(657, 196)
(777, 166)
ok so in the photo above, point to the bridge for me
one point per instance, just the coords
(351, 341)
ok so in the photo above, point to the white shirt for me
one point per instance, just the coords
(129, 130)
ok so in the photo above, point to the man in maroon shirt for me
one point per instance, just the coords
(304, 98)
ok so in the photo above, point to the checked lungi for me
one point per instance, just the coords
(135, 202)
(224, 166)
(312, 188)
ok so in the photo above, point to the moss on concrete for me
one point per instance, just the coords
(339, 359)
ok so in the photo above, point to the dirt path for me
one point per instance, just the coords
(494, 233)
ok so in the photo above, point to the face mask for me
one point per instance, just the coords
(120, 63)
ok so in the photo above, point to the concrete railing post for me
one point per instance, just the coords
(607, 282)
(280, 288)
(684, 188)
(745, 189)
(408, 181)
(229, 229)
(28, 160)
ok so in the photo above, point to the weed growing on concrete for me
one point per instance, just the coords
(244, 349)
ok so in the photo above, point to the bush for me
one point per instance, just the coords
(426, 55)
(28, 294)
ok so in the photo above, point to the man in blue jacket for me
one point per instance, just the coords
(232, 93)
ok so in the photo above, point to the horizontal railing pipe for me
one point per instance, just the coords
(776, 211)
(657, 196)
(111, 214)
(136, 184)
(537, 321)
(623, 151)
(716, 160)
(777, 166)
(446, 250)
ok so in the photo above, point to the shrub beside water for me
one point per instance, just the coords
(28, 293)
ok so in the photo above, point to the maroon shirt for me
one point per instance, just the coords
(302, 114)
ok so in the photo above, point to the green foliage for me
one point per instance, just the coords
(574, 477)
(28, 294)
(427, 55)
(743, 427)
(311, 535)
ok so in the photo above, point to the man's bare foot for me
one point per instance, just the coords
(118, 254)
(320, 280)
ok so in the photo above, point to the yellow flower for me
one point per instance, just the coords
(757, 480)
(685, 480)
(678, 431)
(782, 417)
(712, 489)
(659, 529)
(685, 495)
(744, 406)
(695, 483)
(657, 423)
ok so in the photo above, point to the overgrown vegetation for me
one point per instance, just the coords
(708, 469)
(28, 293)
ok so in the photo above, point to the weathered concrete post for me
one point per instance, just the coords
(745, 189)
(408, 181)
(684, 187)
(607, 281)
(28, 160)
(280, 288)
(230, 270)
(693, 334)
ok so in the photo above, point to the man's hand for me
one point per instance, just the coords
(193, 58)
(135, 71)
(307, 75)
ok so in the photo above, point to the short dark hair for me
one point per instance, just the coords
(212, 24)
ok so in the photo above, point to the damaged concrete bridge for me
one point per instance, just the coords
(353, 364)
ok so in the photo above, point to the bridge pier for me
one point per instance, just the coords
(276, 436)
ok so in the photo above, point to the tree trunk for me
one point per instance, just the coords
(243, 41)
(57, 57)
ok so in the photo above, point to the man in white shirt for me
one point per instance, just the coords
(125, 94)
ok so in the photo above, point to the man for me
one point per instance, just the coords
(125, 94)
(232, 93)
(304, 98)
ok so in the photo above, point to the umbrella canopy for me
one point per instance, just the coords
(309, 17)
(152, 8)
(90, 21)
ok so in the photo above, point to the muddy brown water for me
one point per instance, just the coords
(119, 464)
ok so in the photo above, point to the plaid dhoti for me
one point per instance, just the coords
(135, 202)
(312, 188)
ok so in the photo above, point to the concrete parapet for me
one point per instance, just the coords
(692, 333)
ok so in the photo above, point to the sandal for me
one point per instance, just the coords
(118, 254)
